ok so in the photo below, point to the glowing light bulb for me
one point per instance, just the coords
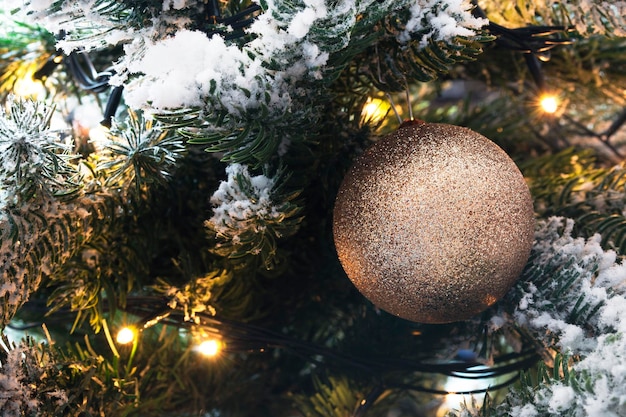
(374, 110)
(125, 336)
(210, 348)
(549, 103)
(28, 87)
(98, 136)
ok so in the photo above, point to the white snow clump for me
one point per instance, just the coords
(240, 202)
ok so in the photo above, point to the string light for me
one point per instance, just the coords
(26, 86)
(549, 103)
(98, 136)
(210, 347)
(374, 110)
(125, 336)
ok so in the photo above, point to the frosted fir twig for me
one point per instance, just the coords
(190, 69)
(439, 20)
(139, 152)
(27, 373)
(169, 64)
(250, 215)
(34, 159)
(35, 174)
(251, 97)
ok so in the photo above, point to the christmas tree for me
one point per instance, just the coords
(171, 243)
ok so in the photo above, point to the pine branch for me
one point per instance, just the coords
(28, 380)
(570, 184)
(35, 161)
(251, 213)
(139, 153)
(284, 70)
(36, 173)
(334, 397)
(392, 64)
(50, 225)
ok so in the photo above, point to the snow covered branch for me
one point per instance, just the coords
(250, 215)
(571, 297)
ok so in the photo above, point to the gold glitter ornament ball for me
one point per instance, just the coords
(434, 223)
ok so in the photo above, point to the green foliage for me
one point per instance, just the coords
(333, 397)
(139, 153)
(29, 253)
(255, 136)
(531, 389)
(392, 67)
(43, 243)
(253, 142)
(99, 276)
(33, 159)
(28, 380)
(571, 184)
(559, 371)
(570, 300)
(195, 296)
(136, 227)
(251, 213)
(113, 14)
(53, 230)
(36, 173)
(560, 278)
(97, 383)
(97, 377)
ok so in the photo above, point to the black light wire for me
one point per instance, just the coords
(249, 337)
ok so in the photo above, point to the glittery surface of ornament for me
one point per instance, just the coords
(433, 223)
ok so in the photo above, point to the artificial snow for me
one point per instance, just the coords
(562, 397)
(19, 373)
(167, 66)
(172, 66)
(303, 20)
(40, 5)
(613, 314)
(174, 4)
(527, 410)
(597, 346)
(238, 210)
(440, 20)
(613, 275)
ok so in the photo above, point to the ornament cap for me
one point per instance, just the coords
(412, 122)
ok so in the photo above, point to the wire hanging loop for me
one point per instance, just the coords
(230, 27)
(86, 74)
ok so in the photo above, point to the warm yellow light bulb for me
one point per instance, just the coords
(125, 336)
(549, 103)
(374, 110)
(210, 347)
(29, 87)
(98, 137)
